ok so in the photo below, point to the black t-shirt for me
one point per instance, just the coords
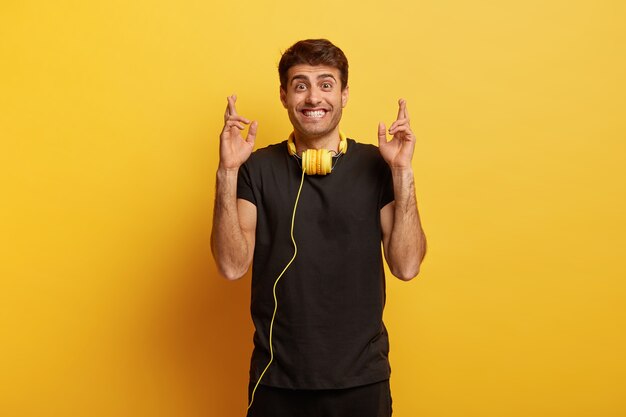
(328, 332)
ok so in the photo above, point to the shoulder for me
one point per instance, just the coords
(275, 149)
(364, 152)
(267, 155)
(365, 149)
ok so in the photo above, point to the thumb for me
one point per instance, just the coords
(382, 134)
(252, 132)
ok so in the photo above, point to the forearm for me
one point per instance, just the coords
(407, 242)
(229, 245)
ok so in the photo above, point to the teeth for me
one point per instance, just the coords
(316, 113)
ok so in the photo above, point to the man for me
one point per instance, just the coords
(314, 242)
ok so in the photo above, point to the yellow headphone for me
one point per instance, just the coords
(317, 161)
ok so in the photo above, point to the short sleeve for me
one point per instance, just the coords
(386, 191)
(244, 184)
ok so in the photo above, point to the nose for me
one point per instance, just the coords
(313, 97)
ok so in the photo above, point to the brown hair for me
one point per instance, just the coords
(313, 52)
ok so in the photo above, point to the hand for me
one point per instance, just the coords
(234, 150)
(398, 152)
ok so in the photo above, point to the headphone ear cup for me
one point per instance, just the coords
(326, 162)
(305, 161)
(317, 162)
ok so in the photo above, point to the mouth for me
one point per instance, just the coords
(314, 113)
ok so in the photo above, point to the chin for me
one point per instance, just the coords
(314, 133)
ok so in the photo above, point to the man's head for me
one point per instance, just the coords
(314, 90)
(313, 52)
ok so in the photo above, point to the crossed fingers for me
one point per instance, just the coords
(231, 118)
(402, 123)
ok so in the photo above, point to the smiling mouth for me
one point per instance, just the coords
(314, 114)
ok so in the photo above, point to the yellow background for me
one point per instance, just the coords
(109, 118)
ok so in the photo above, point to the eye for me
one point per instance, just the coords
(300, 87)
(327, 85)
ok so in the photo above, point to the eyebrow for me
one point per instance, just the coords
(305, 78)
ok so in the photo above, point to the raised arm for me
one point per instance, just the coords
(404, 242)
(234, 220)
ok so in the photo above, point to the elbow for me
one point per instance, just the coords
(231, 274)
(406, 266)
(228, 268)
(405, 274)
(407, 269)
(404, 269)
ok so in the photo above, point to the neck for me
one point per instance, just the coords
(328, 141)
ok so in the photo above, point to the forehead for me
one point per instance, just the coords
(312, 72)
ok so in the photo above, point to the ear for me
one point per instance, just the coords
(283, 97)
(344, 96)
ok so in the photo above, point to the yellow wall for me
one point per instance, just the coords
(109, 118)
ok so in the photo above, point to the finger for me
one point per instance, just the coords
(408, 133)
(397, 123)
(252, 132)
(401, 108)
(233, 123)
(382, 135)
(238, 118)
(227, 111)
(406, 113)
(232, 111)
